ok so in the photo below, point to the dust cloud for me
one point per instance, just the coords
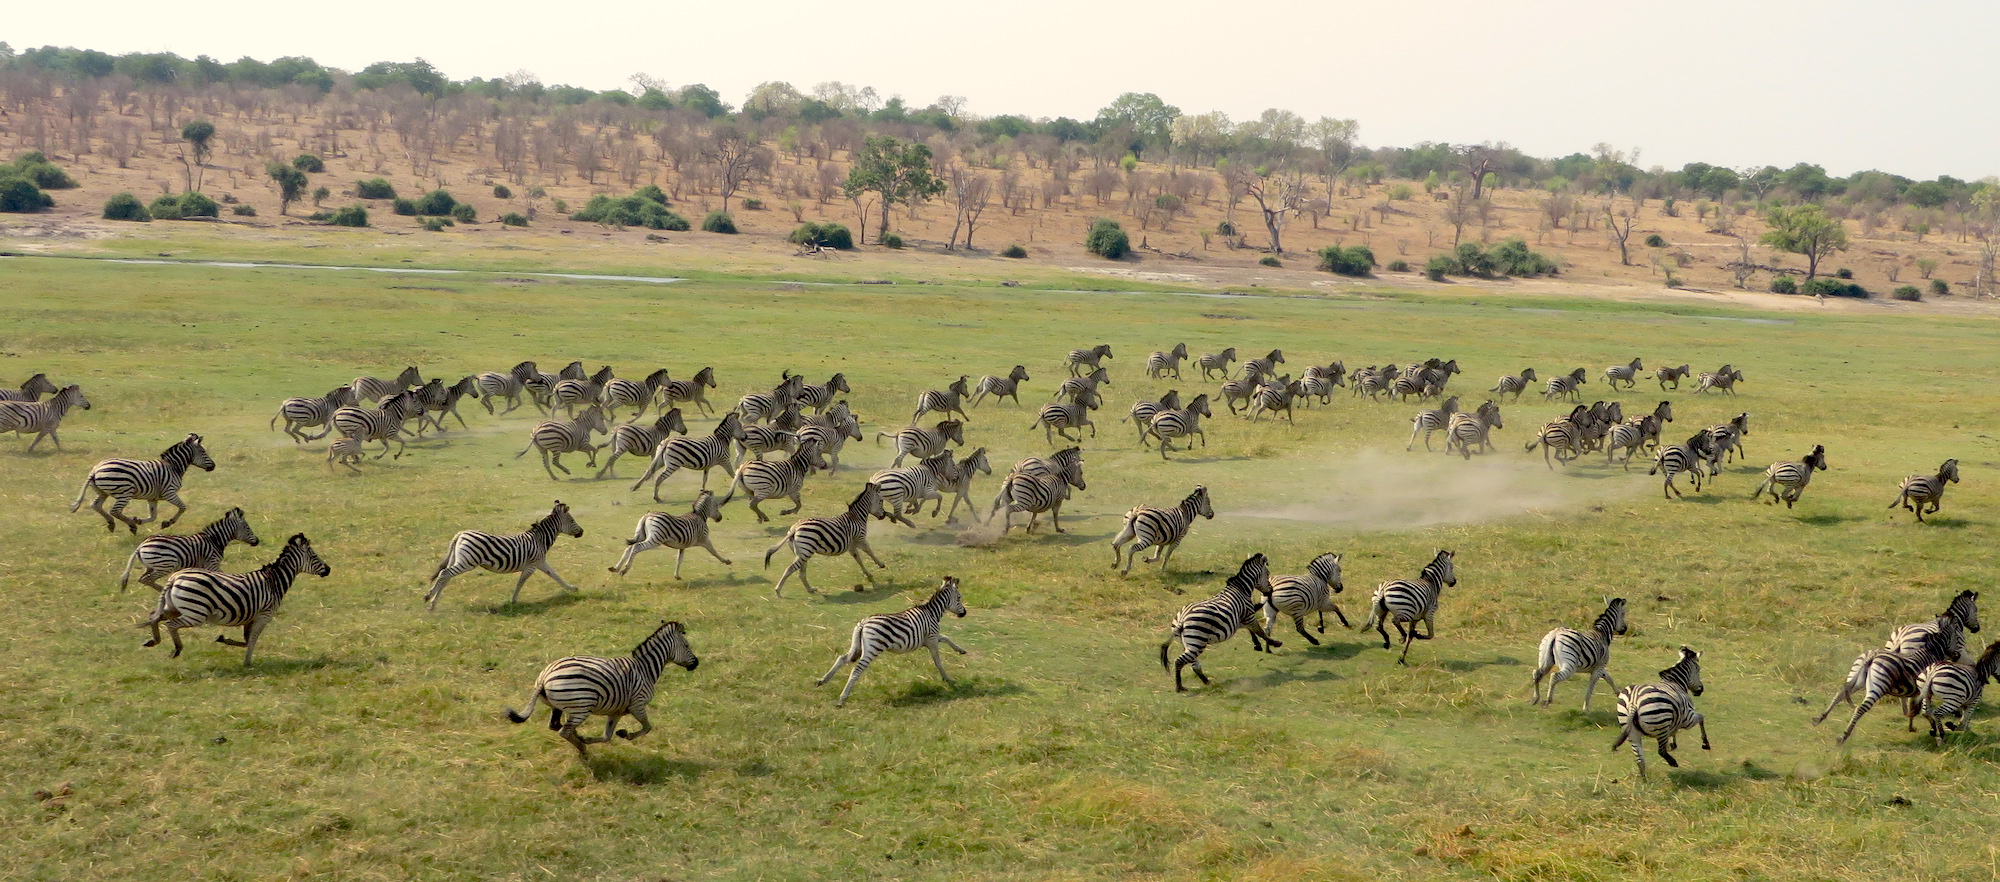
(1393, 490)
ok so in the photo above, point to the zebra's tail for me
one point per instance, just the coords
(1760, 487)
(1377, 611)
(774, 550)
(522, 715)
(126, 579)
(1531, 445)
(878, 438)
(1164, 664)
(274, 420)
(85, 491)
(1655, 469)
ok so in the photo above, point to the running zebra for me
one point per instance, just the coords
(904, 491)
(372, 388)
(250, 600)
(763, 407)
(41, 417)
(1963, 609)
(1948, 691)
(1075, 388)
(164, 555)
(1404, 602)
(690, 390)
(1429, 421)
(440, 399)
(1308, 594)
(958, 482)
(1367, 381)
(1206, 623)
(1792, 476)
(1183, 422)
(1674, 459)
(759, 440)
(1040, 485)
(678, 532)
(1661, 710)
(831, 431)
(697, 454)
(306, 413)
(495, 386)
(1726, 440)
(1672, 375)
(557, 437)
(1564, 651)
(773, 480)
(1160, 529)
(1882, 673)
(1513, 384)
(1266, 365)
(1001, 387)
(640, 440)
(152, 481)
(1724, 380)
(1078, 359)
(32, 390)
(1468, 429)
(1216, 362)
(571, 394)
(1568, 386)
(632, 393)
(1275, 397)
(1320, 381)
(1917, 491)
(924, 443)
(846, 534)
(1058, 419)
(1623, 373)
(581, 685)
(1160, 364)
(384, 423)
(907, 631)
(1142, 412)
(344, 451)
(524, 553)
(1631, 437)
(946, 403)
(1562, 438)
(1243, 389)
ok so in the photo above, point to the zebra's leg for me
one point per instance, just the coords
(796, 504)
(1125, 535)
(568, 732)
(632, 549)
(1055, 515)
(180, 508)
(705, 543)
(516, 596)
(856, 553)
(250, 634)
(796, 566)
(543, 565)
(444, 576)
(556, 457)
(854, 676)
(845, 656)
(174, 634)
(761, 516)
(98, 505)
(939, 661)
(1299, 622)
(1662, 745)
(645, 725)
(1408, 636)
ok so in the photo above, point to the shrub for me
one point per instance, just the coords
(750, 204)
(36, 169)
(374, 188)
(309, 164)
(184, 205)
(1225, 229)
(718, 222)
(652, 193)
(1833, 288)
(1401, 192)
(1014, 251)
(1784, 285)
(319, 195)
(436, 203)
(1843, 273)
(435, 224)
(630, 211)
(1513, 258)
(351, 216)
(1399, 266)
(1107, 239)
(828, 235)
(1908, 292)
(1940, 288)
(1655, 240)
(892, 241)
(126, 207)
(404, 206)
(243, 210)
(21, 195)
(1268, 260)
(1472, 260)
(1353, 261)
(464, 213)
(1438, 267)
(514, 219)
(500, 191)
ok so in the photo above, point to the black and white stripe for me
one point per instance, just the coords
(785, 478)
(1631, 436)
(1568, 385)
(763, 407)
(1160, 529)
(166, 554)
(1040, 485)
(1080, 388)
(679, 532)
(1404, 602)
(1058, 419)
(1623, 373)
(1275, 397)
(846, 534)
(152, 481)
(1181, 422)
(1917, 491)
(1206, 623)
(1673, 459)
(699, 454)
(946, 403)
(495, 386)
(383, 423)
(640, 440)
(1724, 380)
(571, 394)
(557, 437)
(1079, 359)
(924, 443)
(1564, 651)
(1882, 673)
(1661, 710)
(1310, 593)
(32, 390)
(1216, 362)
(525, 553)
(1469, 429)
(440, 399)
(1948, 691)
(1792, 477)
(1515, 384)
(41, 417)
(691, 390)
(373, 388)
(1142, 412)
(1001, 387)
(1725, 441)
(1672, 375)
(831, 431)
(344, 451)
(1266, 365)
(1160, 364)
(581, 685)
(907, 631)
(1563, 439)
(639, 394)
(1429, 421)
(904, 491)
(306, 413)
(246, 600)
(1963, 609)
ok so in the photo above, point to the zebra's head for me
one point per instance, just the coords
(236, 529)
(1326, 568)
(671, 423)
(468, 385)
(593, 419)
(1529, 375)
(1102, 349)
(868, 503)
(1965, 608)
(808, 453)
(1489, 413)
(72, 395)
(730, 427)
(1442, 570)
(1200, 405)
(563, 523)
(1179, 350)
(1741, 423)
(1580, 376)
(409, 377)
(707, 508)
(976, 461)
(1988, 665)
(301, 557)
(948, 597)
(1686, 672)
(705, 377)
(1198, 503)
(525, 370)
(952, 430)
(1254, 575)
(838, 384)
(1018, 374)
(958, 387)
(189, 452)
(1949, 471)
(37, 386)
(669, 641)
(1612, 620)
(1069, 465)
(1817, 458)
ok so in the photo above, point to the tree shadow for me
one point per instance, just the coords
(926, 692)
(642, 769)
(533, 607)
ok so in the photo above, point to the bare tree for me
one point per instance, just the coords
(1276, 197)
(1479, 160)
(1620, 232)
(736, 157)
(1459, 211)
(588, 158)
(970, 192)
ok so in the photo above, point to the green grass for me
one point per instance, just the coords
(368, 742)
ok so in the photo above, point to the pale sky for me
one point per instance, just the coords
(1907, 87)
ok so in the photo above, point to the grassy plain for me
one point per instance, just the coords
(368, 742)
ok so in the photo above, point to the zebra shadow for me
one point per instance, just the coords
(1600, 719)
(275, 667)
(1200, 460)
(1326, 651)
(1826, 520)
(1462, 665)
(1281, 677)
(533, 607)
(1944, 523)
(926, 692)
(643, 769)
(860, 592)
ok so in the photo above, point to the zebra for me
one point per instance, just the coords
(523, 553)
(1566, 386)
(1623, 373)
(440, 399)
(571, 394)
(946, 403)
(1182, 422)
(1515, 384)
(572, 371)
(1917, 491)
(41, 417)
(1001, 387)
(678, 532)
(1949, 691)
(904, 491)
(344, 451)
(1058, 419)
(1631, 437)
(924, 443)
(1405, 602)
(772, 480)
(1672, 375)
(152, 481)
(1367, 382)
(632, 393)
(247, 600)
(1214, 362)
(164, 555)
(494, 385)
(417, 401)
(1563, 438)
(764, 406)
(1078, 359)
(907, 631)
(638, 440)
(581, 685)
(1564, 651)
(1142, 412)
(1160, 529)
(1726, 440)
(1205, 623)
(1672, 460)
(1274, 397)
(759, 440)
(959, 483)
(831, 431)
(1661, 710)
(690, 390)
(1160, 364)
(557, 437)
(1882, 673)
(1265, 365)
(1075, 388)
(1318, 382)
(382, 424)
(1792, 476)
(818, 396)
(1242, 389)
(306, 413)
(1428, 421)
(846, 534)
(1310, 593)
(700, 454)
(1724, 380)
(1477, 427)
(32, 390)
(1040, 485)
(1964, 609)
(372, 388)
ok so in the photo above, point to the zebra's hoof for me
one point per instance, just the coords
(153, 642)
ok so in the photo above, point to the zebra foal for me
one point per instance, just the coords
(1564, 651)
(165, 555)
(1917, 491)
(678, 532)
(907, 631)
(1311, 593)
(1661, 710)
(1787, 480)
(524, 553)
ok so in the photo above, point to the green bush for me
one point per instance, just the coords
(892, 241)
(1940, 288)
(828, 235)
(36, 169)
(652, 193)
(435, 224)
(464, 213)
(243, 210)
(126, 207)
(184, 205)
(404, 206)
(1353, 261)
(21, 195)
(1473, 260)
(1438, 267)
(1107, 239)
(1014, 251)
(1843, 273)
(1225, 229)
(309, 164)
(514, 219)
(500, 191)
(750, 204)
(351, 216)
(1908, 292)
(635, 210)
(374, 188)
(718, 222)
(1655, 240)
(1399, 266)
(1784, 285)
(1513, 258)
(1401, 192)
(1268, 260)
(436, 203)
(1833, 288)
